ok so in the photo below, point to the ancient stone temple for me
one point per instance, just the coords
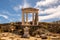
(34, 16)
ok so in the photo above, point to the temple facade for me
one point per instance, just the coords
(34, 16)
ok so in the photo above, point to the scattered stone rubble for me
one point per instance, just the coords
(9, 36)
(12, 36)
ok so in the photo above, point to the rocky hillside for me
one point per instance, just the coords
(51, 27)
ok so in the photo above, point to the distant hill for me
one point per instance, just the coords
(56, 22)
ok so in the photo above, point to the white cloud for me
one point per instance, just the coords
(17, 8)
(6, 17)
(25, 5)
(50, 10)
(46, 3)
(6, 13)
(55, 13)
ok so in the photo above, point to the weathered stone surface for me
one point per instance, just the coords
(11, 36)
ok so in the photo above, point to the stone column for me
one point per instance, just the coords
(37, 19)
(33, 18)
(26, 18)
(23, 18)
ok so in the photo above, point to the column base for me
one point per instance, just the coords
(37, 23)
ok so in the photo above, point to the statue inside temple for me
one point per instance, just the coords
(26, 32)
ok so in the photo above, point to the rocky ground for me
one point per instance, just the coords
(12, 36)
(9, 36)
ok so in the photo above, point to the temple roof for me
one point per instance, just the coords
(30, 9)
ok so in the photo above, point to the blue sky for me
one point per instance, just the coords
(10, 10)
